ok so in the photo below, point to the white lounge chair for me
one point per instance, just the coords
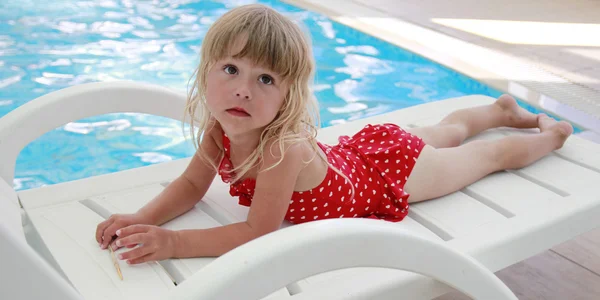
(48, 249)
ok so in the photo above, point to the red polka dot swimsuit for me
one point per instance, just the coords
(377, 161)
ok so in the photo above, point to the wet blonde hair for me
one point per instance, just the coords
(274, 42)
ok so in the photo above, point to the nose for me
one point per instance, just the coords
(243, 92)
(243, 95)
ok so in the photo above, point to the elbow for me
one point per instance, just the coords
(190, 183)
(243, 233)
(255, 231)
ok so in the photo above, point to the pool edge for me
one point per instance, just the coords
(354, 15)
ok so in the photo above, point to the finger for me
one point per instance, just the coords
(132, 229)
(109, 233)
(115, 247)
(135, 253)
(131, 241)
(143, 259)
(100, 229)
(126, 232)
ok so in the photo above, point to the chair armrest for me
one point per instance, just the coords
(268, 263)
(25, 275)
(10, 211)
(31, 120)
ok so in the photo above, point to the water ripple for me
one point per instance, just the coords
(86, 128)
(46, 47)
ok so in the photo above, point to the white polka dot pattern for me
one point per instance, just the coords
(377, 161)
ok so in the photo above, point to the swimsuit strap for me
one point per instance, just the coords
(225, 166)
(226, 144)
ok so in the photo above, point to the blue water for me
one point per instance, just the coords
(45, 47)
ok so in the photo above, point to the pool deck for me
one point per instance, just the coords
(530, 49)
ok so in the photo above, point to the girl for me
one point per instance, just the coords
(257, 119)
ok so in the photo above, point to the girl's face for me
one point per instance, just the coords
(243, 97)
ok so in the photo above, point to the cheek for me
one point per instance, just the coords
(281, 99)
(281, 96)
(208, 93)
(278, 99)
(212, 91)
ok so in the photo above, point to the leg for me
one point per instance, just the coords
(464, 123)
(439, 172)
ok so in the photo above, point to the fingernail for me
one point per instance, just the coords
(128, 262)
(120, 256)
(118, 243)
(119, 232)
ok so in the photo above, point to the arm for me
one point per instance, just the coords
(272, 194)
(177, 198)
(185, 191)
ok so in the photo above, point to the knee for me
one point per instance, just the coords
(493, 154)
(503, 156)
(455, 134)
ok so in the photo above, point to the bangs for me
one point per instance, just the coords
(263, 38)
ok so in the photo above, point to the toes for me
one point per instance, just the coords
(505, 101)
(543, 117)
(565, 128)
(506, 96)
(545, 122)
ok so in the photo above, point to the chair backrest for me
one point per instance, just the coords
(76, 102)
(24, 274)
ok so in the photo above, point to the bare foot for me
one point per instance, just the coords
(516, 116)
(561, 129)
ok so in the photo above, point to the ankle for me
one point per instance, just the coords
(500, 116)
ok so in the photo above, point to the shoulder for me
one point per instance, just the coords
(211, 145)
(288, 155)
(214, 134)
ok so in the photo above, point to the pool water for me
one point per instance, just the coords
(46, 47)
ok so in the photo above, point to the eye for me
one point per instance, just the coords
(266, 79)
(229, 69)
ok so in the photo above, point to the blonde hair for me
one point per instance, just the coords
(272, 41)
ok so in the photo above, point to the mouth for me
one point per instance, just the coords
(238, 111)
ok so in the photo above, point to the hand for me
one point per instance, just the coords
(106, 231)
(155, 243)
